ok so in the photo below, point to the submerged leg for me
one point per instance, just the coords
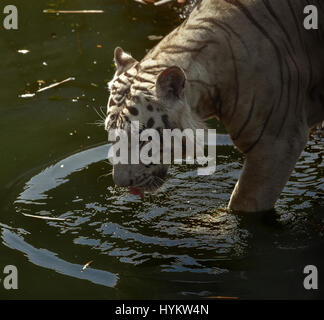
(266, 171)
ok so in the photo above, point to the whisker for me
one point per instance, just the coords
(100, 116)
(103, 175)
(99, 123)
(103, 112)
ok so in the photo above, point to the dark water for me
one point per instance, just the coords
(179, 242)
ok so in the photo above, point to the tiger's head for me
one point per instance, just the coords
(154, 96)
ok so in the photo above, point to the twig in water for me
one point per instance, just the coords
(55, 84)
(140, 1)
(43, 217)
(221, 297)
(159, 3)
(72, 11)
(30, 95)
(86, 265)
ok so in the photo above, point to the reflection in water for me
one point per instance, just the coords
(50, 260)
(177, 230)
(57, 174)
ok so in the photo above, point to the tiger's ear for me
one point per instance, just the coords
(170, 83)
(123, 60)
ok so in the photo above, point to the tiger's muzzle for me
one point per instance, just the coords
(139, 177)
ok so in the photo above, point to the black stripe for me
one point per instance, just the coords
(128, 75)
(217, 94)
(225, 27)
(236, 77)
(204, 42)
(121, 81)
(236, 34)
(156, 66)
(173, 48)
(248, 14)
(139, 78)
(262, 131)
(278, 21)
(246, 122)
(287, 105)
(291, 56)
(140, 88)
(198, 6)
(215, 23)
(195, 27)
(156, 72)
(297, 95)
(302, 43)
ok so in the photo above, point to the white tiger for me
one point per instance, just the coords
(251, 64)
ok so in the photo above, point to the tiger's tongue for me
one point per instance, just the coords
(136, 192)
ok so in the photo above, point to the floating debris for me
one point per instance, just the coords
(72, 11)
(43, 217)
(86, 265)
(159, 3)
(153, 37)
(23, 51)
(30, 95)
(221, 297)
(55, 84)
(27, 95)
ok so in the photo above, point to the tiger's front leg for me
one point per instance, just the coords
(266, 171)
